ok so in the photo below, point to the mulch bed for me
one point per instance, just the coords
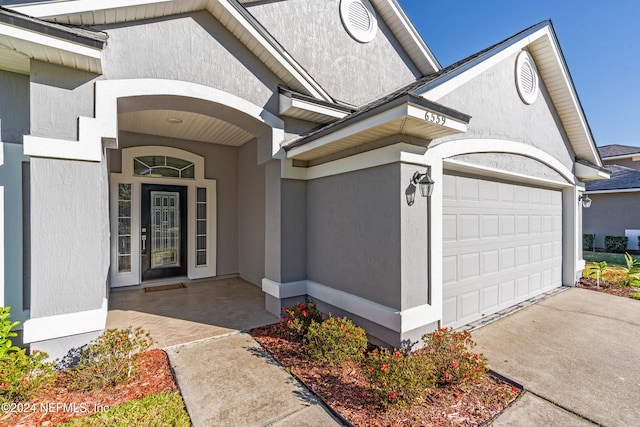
(58, 404)
(606, 287)
(345, 389)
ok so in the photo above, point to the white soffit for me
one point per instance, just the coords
(543, 47)
(589, 173)
(228, 12)
(18, 46)
(307, 110)
(183, 125)
(405, 119)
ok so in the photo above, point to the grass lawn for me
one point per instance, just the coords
(161, 409)
(610, 258)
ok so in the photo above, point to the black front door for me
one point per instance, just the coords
(163, 227)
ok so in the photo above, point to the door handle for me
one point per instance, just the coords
(144, 242)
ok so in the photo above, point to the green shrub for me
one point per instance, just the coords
(110, 359)
(636, 295)
(6, 332)
(21, 375)
(335, 341)
(298, 318)
(615, 244)
(398, 378)
(587, 241)
(452, 356)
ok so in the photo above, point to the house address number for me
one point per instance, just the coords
(435, 118)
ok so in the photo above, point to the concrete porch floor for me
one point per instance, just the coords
(199, 311)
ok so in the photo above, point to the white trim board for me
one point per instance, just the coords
(63, 325)
(92, 131)
(390, 318)
(623, 190)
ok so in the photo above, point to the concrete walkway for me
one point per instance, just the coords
(577, 355)
(230, 381)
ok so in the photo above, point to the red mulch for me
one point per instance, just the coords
(606, 287)
(345, 389)
(154, 376)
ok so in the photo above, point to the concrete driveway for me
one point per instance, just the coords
(577, 354)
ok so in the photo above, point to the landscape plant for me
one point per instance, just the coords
(22, 375)
(110, 359)
(7, 332)
(616, 244)
(335, 340)
(587, 241)
(452, 356)
(298, 318)
(397, 378)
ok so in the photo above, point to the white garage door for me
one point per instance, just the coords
(502, 245)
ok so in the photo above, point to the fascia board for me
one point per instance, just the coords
(234, 10)
(444, 85)
(426, 60)
(51, 9)
(25, 40)
(359, 126)
(48, 41)
(620, 190)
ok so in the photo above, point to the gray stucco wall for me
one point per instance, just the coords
(353, 233)
(14, 123)
(59, 96)
(14, 106)
(191, 47)
(251, 220)
(349, 70)
(69, 236)
(414, 235)
(498, 112)
(221, 164)
(294, 230)
(611, 214)
(512, 163)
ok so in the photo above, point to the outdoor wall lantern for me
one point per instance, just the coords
(585, 199)
(424, 182)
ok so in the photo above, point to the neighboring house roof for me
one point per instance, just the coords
(618, 151)
(23, 38)
(622, 178)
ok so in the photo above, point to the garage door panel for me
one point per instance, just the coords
(489, 298)
(449, 310)
(507, 291)
(507, 245)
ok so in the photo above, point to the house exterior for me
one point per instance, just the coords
(154, 142)
(615, 201)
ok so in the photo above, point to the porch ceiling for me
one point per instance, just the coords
(183, 125)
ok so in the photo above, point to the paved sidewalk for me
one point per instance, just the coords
(230, 381)
(576, 353)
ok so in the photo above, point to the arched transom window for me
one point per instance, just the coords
(163, 167)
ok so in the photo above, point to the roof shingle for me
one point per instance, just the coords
(614, 150)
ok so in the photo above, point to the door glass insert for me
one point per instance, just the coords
(165, 229)
(124, 228)
(201, 226)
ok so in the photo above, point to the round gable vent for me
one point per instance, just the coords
(526, 78)
(359, 19)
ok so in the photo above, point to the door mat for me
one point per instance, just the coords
(164, 287)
